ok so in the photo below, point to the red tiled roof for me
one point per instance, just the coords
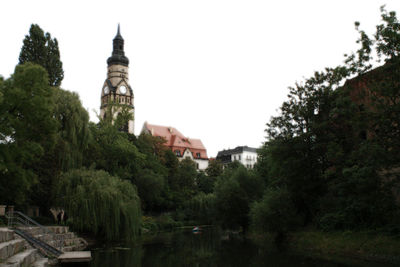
(176, 140)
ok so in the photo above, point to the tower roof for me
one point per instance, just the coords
(118, 55)
(118, 36)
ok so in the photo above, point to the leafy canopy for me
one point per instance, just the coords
(39, 48)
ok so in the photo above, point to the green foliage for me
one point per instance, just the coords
(275, 212)
(205, 183)
(334, 147)
(27, 130)
(182, 182)
(150, 187)
(112, 151)
(235, 192)
(100, 203)
(71, 140)
(214, 169)
(41, 49)
(73, 129)
(158, 223)
(388, 35)
(201, 208)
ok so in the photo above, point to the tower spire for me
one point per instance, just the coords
(118, 36)
(118, 54)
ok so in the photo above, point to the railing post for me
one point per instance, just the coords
(10, 213)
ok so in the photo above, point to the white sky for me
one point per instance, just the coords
(214, 69)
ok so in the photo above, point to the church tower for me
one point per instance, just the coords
(117, 94)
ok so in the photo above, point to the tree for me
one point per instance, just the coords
(182, 183)
(72, 138)
(214, 169)
(205, 183)
(332, 144)
(100, 203)
(234, 192)
(27, 129)
(274, 213)
(151, 186)
(41, 49)
(111, 150)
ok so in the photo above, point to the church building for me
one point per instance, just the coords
(116, 93)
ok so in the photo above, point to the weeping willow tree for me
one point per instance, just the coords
(100, 203)
(71, 140)
(201, 208)
(73, 129)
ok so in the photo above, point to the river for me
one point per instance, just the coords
(208, 248)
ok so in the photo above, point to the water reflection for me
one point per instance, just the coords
(209, 248)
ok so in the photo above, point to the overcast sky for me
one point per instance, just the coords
(216, 70)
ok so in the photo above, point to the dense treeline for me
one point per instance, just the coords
(331, 157)
(330, 161)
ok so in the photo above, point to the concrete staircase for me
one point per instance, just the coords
(16, 252)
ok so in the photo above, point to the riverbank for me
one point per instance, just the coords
(369, 246)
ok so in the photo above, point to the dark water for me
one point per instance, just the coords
(209, 248)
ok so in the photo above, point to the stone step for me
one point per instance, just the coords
(22, 259)
(41, 262)
(48, 230)
(10, 248)
(59, 229)
(6, 234)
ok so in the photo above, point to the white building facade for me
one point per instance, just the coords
(244, 154)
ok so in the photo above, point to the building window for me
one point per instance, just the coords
(239, 157)
(198, 154)
(178, 152)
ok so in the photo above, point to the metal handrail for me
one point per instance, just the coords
(43, 247)
(25, 221)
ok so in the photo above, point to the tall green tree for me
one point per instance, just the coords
(39, 48)
(71, 141)
(235, 191)
(182, 182)
(111, 150)
(332, 144)
(28, 129)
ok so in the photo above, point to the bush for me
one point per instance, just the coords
(162, 222)
(274, 213)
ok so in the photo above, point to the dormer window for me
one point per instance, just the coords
(198, 154)
(178, 152)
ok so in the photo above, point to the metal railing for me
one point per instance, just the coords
(43, 247)
(19, 220)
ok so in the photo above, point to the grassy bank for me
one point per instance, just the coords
(370, 246)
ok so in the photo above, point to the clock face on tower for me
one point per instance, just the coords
(106, 90)
(122, 89)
